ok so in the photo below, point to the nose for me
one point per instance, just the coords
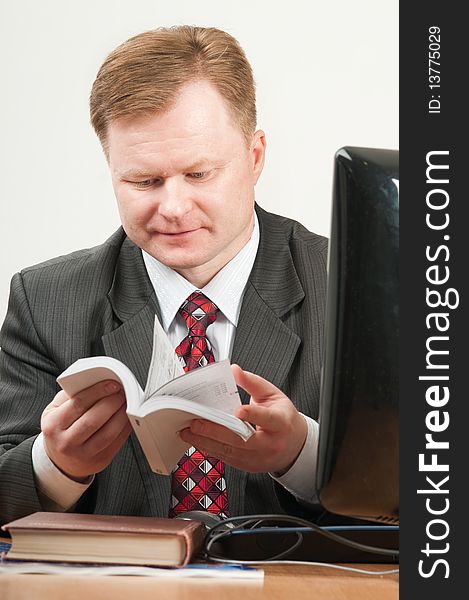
(174, 199)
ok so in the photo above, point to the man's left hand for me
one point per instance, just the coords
(280, 430)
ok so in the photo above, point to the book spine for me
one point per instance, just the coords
(149, 444)
(194, 542)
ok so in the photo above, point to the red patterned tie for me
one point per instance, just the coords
(198, 481)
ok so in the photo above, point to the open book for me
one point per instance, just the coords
(171, 400)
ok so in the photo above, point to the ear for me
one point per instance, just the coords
(257, 151)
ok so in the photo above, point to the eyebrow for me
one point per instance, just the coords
(136, 174)
(200, 165)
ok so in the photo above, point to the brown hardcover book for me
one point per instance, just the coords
(71, 537)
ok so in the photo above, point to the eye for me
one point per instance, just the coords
(146, 183)
(197, 175)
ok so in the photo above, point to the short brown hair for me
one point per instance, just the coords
(144, 74)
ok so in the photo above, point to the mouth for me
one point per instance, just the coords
(175, 234)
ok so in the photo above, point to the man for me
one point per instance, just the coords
(175, 112)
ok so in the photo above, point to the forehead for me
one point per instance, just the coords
(199, 122)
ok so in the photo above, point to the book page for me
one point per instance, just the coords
(211, 386)
(164, 365)
(86, 372)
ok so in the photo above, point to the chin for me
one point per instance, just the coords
(180, 261)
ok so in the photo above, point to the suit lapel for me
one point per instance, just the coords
(264, 344)
(134, 303)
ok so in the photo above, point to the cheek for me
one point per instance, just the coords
(134, 212)
(240, 206)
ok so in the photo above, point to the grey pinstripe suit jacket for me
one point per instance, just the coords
(100, 301)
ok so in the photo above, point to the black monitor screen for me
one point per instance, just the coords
(358, 421)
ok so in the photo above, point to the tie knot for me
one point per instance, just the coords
(198, 313)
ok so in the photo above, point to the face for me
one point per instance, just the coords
(184, 182)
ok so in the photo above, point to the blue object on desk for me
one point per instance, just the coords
(220, 567)
(4, 547)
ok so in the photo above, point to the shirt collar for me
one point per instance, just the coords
(226, 289)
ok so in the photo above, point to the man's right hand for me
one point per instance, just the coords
(83, 433)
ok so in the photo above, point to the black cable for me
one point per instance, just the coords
(211, 555)
(243, 523)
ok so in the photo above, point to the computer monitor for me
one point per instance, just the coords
(358, 456)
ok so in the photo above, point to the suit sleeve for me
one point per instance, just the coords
(27, 385)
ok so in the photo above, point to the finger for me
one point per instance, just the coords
(230, 454)
(92, 394)
(261, 416)
(108, 433)
(257, 387)
(103, 458)
(95, 417)
(216, 432)
(59, 399)
(70, 411)
(52, 415)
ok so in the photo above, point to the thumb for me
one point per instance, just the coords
(257, 387)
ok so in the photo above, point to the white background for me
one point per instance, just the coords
(326, 74)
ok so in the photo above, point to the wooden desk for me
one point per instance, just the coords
(289, 582)
(295, 582)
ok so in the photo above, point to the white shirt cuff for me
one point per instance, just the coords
(56, 491)
(300, 479)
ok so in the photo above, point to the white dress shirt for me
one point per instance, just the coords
(226, 290)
